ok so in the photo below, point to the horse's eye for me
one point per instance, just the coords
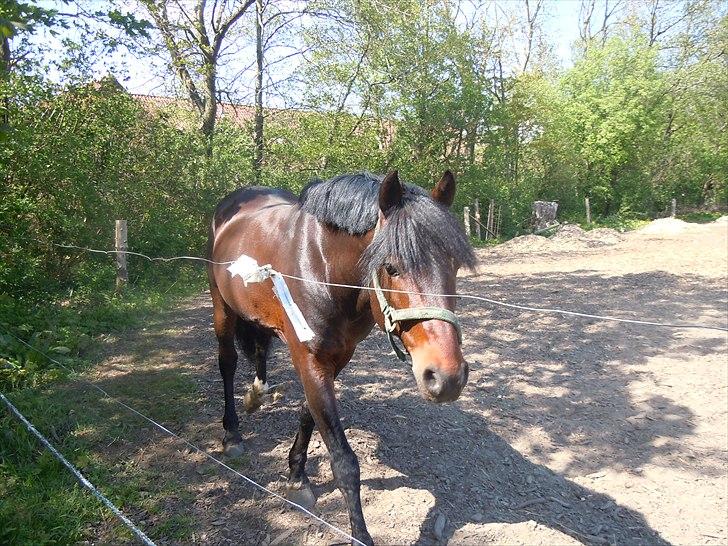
(391, 270)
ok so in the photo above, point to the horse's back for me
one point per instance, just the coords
(249, 199)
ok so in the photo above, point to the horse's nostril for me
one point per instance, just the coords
(443, 387)
(432, 381)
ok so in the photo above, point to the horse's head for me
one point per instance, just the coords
(418, 246)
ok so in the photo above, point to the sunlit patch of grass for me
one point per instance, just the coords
(480, 243)
(65, 326)
(41, 503)
(616, 222)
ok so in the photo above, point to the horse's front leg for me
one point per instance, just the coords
(318, 384)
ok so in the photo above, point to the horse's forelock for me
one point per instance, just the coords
(419, 235)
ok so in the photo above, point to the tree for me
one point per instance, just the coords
(15, 17)
(616, 103)
(194, 40)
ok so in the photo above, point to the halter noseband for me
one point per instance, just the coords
(392, 316)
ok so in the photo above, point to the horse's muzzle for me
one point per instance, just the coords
(443, 387)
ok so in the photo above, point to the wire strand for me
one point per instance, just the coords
(144, 539)
(430, 294)
(512, 305)
(151, 259)
(194, 447)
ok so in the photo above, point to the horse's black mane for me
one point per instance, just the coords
(418, 235)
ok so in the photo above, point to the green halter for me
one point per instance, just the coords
(392, 316)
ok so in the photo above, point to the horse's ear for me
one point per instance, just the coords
(390, 192)
(444, 190)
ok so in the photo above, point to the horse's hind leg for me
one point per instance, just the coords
(299, 488)
(224, 321)
(254, 341)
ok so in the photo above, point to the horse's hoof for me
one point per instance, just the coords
(302, 494)
(233, 447)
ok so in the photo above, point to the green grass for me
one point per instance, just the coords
(618, 223)
(177, 527)
(64, 325)
(700, 217)
(477, 243)
(40, 501)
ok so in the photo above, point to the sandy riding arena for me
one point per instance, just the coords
(570, 430)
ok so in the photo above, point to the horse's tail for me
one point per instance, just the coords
(209, 248)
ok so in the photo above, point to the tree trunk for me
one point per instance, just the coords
(258, 137)
(4, 75)
(209, 113)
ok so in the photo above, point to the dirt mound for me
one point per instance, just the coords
(604, 237)
(525, 244)
(568, 232)
(665, 226)
(572, 237)
(722, 220)
(568, 237)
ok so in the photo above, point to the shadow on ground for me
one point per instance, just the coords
(569, 382)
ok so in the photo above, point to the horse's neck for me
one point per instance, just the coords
(342, 252)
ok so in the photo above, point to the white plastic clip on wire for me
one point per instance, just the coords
(247, 268)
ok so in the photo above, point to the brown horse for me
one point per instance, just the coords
(356, 229)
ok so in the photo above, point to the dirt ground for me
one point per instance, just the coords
(570, 430)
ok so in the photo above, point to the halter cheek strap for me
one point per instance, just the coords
(392, 316)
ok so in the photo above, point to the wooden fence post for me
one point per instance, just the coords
(588, 210)
(487, 221)
(477, 221)
(122, 274)
(466, 220)
(674, 208)
(498, 223)
(490, 224)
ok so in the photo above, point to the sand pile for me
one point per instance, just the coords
(571, 236)
(568, 237)
(526, 244)
(568, 232)
(603, 237)
(722, 220)
(664, 226)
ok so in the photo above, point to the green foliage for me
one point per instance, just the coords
(618, 126)
(76, 160)
(700, 217)
(615, 106)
